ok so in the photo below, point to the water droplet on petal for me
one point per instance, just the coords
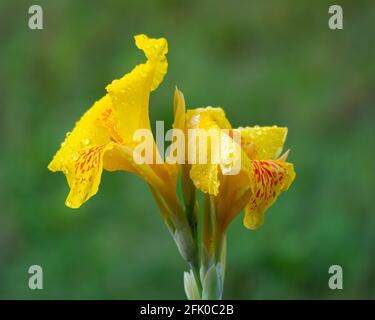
(85, 142)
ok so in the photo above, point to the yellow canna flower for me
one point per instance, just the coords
(262, 177)
(233, 174)
(103, 137)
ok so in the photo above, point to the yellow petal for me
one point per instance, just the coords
(176, 153)
(81, 155)
(155, 51)
(179, 110)
(205, 177)
(209, 120)
(90, 130)
(87, 174)
(263, 142)
(269, 178)
(130, 94)
(234, 195)
(206, 118)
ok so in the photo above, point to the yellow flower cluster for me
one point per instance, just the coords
(104, 139)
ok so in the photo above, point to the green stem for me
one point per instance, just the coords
(207, 231)
(219, 242)
(178, 224)
(197, 278)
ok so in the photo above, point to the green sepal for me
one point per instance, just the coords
(213, 283)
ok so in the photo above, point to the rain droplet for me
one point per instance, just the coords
(195, 120)
(85, 142)
(68, 134)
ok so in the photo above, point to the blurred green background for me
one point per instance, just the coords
(265, 62)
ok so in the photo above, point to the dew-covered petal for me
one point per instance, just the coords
(99, 136)
(87, 174)
(130, 94)
(263, 143)
(268, 180)
(82, 154)
(207, 142)
(207, 117)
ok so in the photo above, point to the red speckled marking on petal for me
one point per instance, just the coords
(107, 119)
(88, 159)
(269, 180)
